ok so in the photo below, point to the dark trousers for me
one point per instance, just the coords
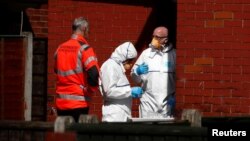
(75, 113)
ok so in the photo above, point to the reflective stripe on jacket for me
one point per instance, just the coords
(73, 59)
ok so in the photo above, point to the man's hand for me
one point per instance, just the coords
(142, 69)
(136, 92)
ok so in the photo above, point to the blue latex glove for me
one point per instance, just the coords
(136, 92)
(142, 69)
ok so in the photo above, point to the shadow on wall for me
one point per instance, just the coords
(163, 13)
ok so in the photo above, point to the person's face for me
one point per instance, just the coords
(159, 38)
(128, 64)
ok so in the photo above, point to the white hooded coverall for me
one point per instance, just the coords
(114, 85)
(159, 83)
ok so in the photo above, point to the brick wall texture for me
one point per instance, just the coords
(212, 41)
(38, 18)
(213, 63)
(11, 94)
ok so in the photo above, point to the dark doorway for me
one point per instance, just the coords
(39, 79)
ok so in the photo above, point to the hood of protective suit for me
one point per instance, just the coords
(124, 52)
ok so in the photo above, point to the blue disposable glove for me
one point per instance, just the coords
(142, 69)
(136, 92)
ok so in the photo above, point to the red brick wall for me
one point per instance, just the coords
(38, 18)
(213, 56)
(12, 78)
(110, 25)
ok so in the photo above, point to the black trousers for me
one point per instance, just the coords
(75, 113)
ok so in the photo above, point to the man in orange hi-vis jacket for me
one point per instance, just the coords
(77, 72)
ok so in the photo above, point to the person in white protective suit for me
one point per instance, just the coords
(114, 85)
(155, 70)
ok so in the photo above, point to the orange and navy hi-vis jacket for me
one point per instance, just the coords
(77, 73)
